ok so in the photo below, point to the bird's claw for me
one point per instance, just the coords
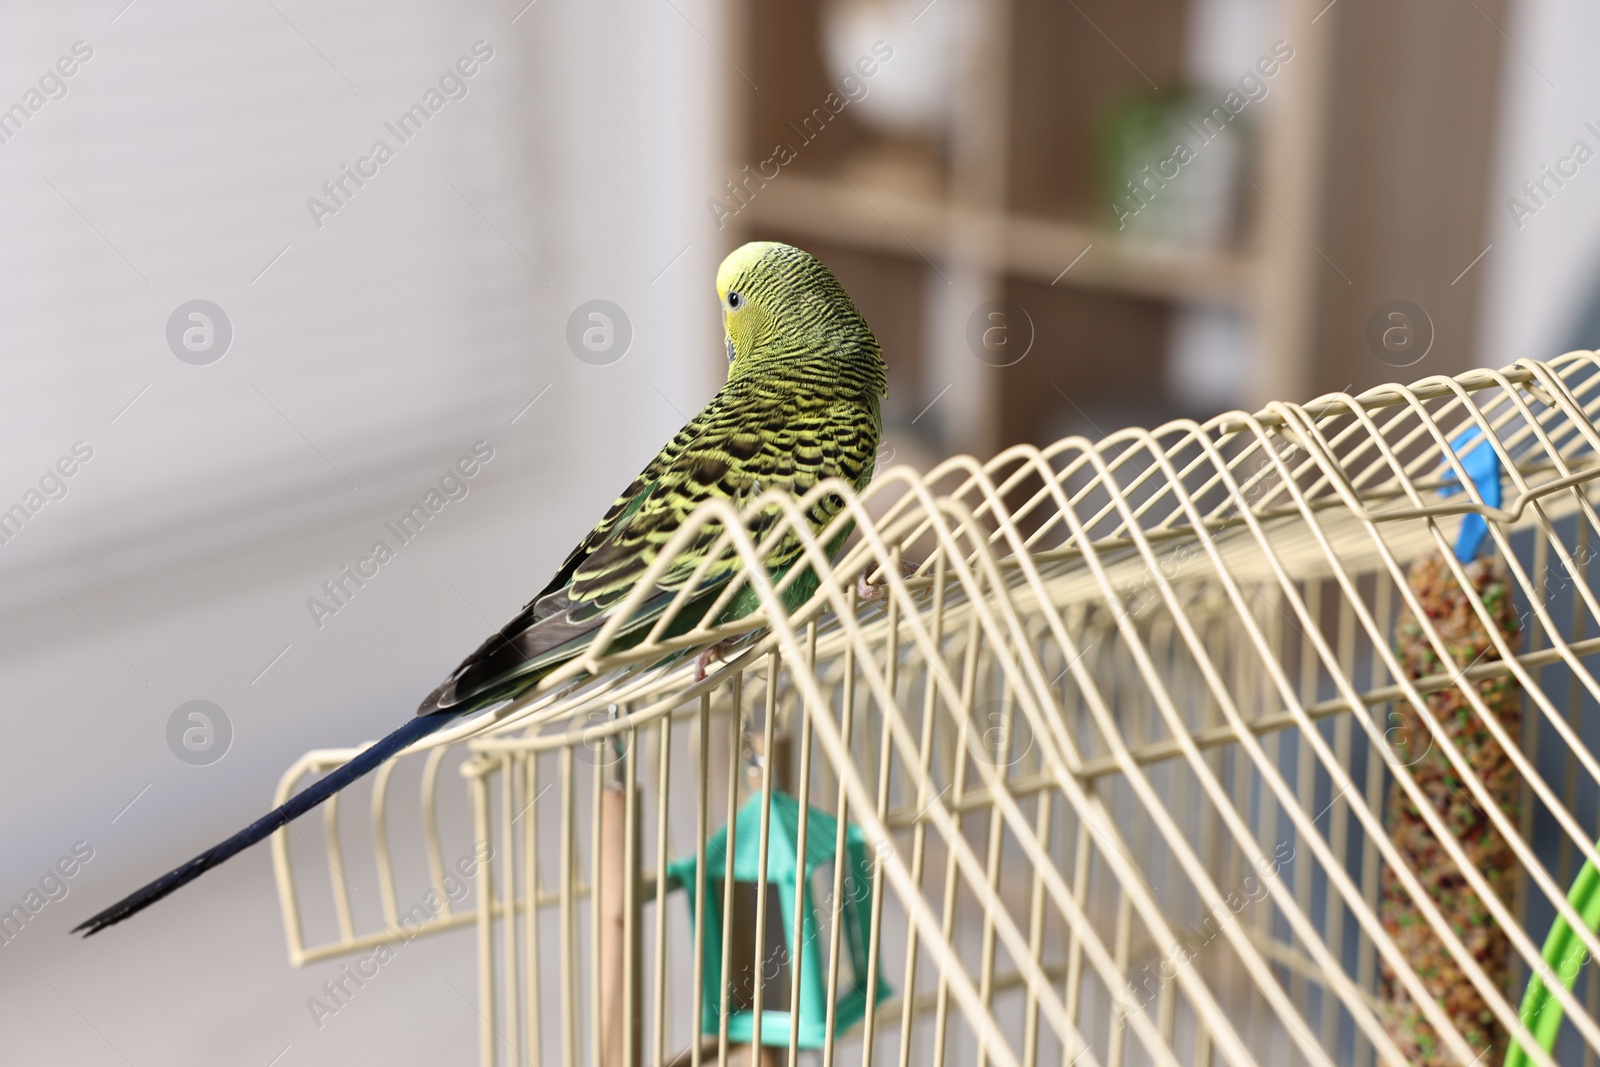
(717, 653)
(867, 592)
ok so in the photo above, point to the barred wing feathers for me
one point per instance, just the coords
(753, 437)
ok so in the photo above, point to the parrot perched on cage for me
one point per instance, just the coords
(800, 405)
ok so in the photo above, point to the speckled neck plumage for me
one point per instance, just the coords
(815, 336)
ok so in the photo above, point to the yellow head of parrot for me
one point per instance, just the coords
(740, 292)
(740, 264)
(784, 314)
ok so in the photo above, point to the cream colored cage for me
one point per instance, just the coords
(1120, 736)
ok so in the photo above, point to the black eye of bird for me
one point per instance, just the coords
(735, 301)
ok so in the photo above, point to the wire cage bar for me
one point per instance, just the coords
(1194, 745)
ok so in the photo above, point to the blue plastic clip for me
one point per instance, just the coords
(1482, 465)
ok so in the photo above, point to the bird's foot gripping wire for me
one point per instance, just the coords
(867, 592)
(717, 653)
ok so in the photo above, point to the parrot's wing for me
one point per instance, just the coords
(744, 443)
(788, 444)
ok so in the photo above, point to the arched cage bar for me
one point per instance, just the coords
(1195, 745)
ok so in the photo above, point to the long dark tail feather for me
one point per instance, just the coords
(296, 806)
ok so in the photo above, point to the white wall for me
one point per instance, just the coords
(365, 360)
(1542, 273)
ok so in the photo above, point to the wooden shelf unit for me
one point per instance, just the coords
(1037, 248)
(1014, 204)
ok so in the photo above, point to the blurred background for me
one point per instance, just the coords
(242, 339)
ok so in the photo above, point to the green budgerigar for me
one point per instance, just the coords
(800, 405)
